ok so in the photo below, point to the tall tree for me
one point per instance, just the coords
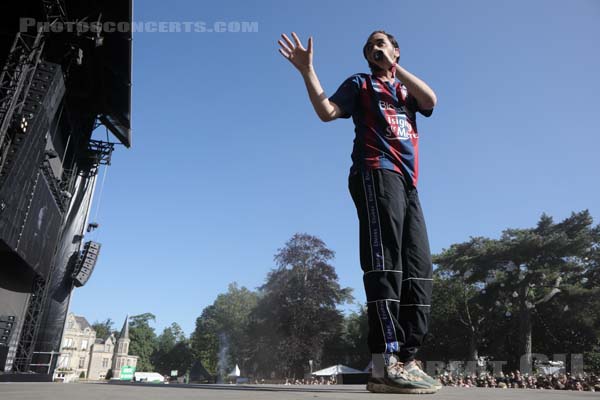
(143, 340)
(297, 311)
(524, 269)
(471, 298)
(448, 331)
(221, 338)
(205, 339)
(173, 351)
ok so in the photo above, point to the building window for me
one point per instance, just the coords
(105, 363)
(84, 344)
(81, 362)
(68, 342)
(107, 348)
(70, 325)
(63, 361)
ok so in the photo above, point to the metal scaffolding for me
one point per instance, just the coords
(15, 81)
(30, 326)
(55, 11)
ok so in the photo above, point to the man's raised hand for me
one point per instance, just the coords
(300, 57)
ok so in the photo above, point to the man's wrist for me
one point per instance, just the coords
(400, 72)
(307, 71)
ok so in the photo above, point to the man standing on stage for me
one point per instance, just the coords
(394, 248)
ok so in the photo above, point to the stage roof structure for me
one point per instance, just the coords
(103, 80)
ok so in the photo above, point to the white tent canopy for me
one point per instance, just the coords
(337, 370)
(236, 372)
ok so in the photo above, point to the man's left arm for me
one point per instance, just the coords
(424, 95)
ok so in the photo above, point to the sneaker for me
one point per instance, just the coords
(397, 379)
(414, 367)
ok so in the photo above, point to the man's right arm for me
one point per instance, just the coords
(325, 109)
(301, 58)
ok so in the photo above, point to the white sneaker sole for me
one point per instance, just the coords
(383, 388)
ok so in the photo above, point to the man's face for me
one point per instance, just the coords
(380, 42)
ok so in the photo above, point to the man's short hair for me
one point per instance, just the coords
(374, 68)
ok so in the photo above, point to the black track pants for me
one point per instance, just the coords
(395, 259)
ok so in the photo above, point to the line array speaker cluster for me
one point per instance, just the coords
(86, 264)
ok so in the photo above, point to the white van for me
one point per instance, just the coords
(150, 377)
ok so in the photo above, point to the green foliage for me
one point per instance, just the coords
(221, 337)
(205, 341)
(297, 310)
(103, 329)
(349, 346)
(592, 361)
(292, 319)
(173, 351)
(448, 337)
(528, 283)
(143, 340)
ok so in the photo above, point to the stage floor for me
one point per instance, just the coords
(102, 391)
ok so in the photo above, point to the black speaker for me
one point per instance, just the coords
(29, 128)
(87, 262)
(3, 355)
(30, 217)
(7, 325)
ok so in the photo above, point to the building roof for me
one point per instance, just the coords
(82, 322)
(125, 330)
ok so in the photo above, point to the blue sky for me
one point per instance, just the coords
(229, 160)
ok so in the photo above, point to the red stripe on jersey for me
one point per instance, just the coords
(371, 149)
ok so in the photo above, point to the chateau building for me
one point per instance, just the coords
(83, 355)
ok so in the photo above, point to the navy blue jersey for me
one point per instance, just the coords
(384, 116)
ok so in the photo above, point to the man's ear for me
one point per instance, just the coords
(397, 54)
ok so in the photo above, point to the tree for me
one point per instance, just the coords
(464, 297)
(143, 340)
(446, 337)
(169, 338)
(103, 329)
(205, 339)
(221, 338)
(173, 351)
(297, 310)
(523, 271)
(349, 346)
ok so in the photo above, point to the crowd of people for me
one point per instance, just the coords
(516, 380)
(315, 380)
